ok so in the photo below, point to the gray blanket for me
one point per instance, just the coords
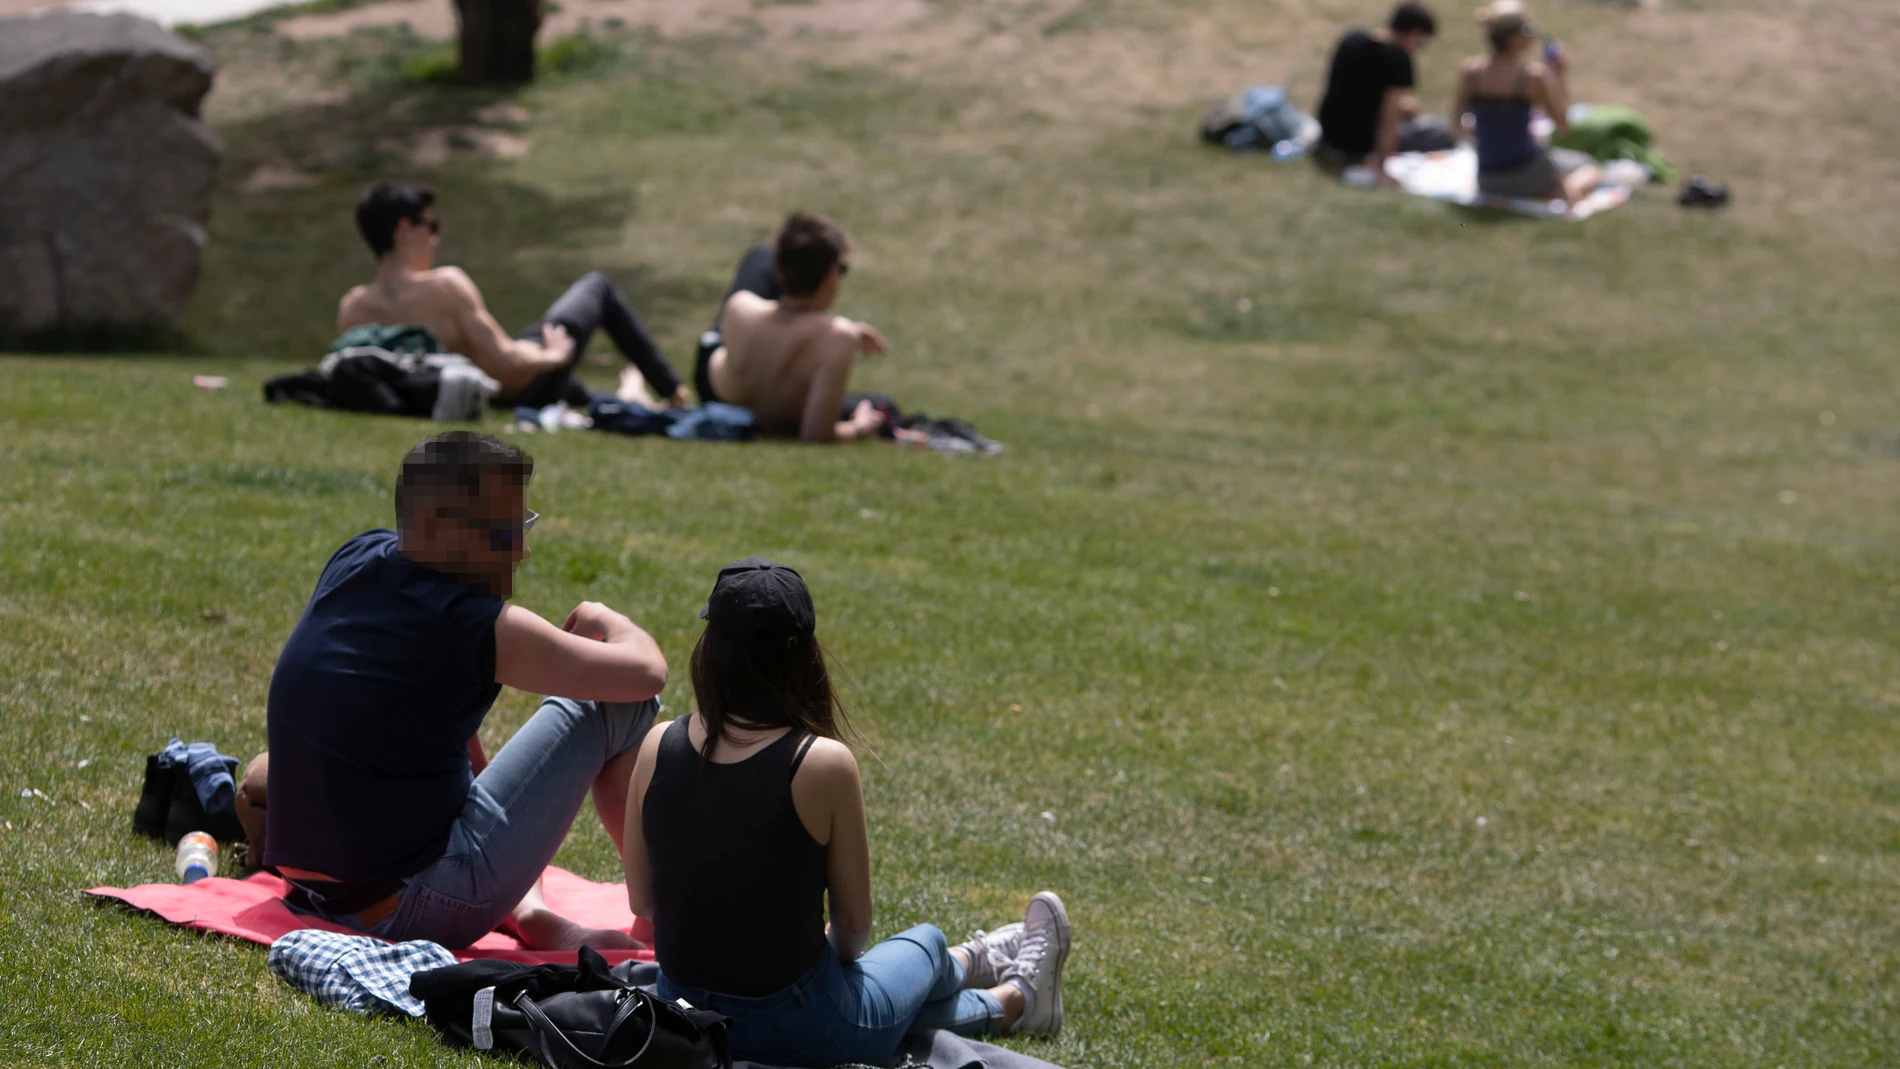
(944, 1050)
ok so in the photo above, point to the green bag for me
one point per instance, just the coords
(1616, 132)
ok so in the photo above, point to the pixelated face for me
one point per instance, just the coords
(483, 541)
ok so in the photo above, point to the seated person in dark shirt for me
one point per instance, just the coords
(378, 807)
(1368, 112)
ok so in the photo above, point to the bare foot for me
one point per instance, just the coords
(541, 929)
(633, 388)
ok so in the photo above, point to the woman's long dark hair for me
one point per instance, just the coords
(762, 685)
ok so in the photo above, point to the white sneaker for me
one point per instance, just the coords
(990, 953)
(1037, 969)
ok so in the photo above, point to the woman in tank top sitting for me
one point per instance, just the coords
(751, 827)
(1499, 91)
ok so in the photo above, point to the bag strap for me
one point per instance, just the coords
(721, 1046)
(544, 1028)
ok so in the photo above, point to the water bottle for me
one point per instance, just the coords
(197, 857)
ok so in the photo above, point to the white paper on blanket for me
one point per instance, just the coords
(1452, 177)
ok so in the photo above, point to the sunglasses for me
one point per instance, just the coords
(504, 536)
(843, 269)
(434, 225)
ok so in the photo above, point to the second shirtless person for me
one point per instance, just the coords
(777, 349)
(535, 367)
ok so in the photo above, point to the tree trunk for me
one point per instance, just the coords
(498, 40)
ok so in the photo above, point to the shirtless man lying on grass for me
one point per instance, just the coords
(777, 349)
(375, 801)
(535, 367)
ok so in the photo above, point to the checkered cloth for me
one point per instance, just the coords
(355, 972)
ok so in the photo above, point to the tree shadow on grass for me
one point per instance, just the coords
(284, 250)
(95, 338)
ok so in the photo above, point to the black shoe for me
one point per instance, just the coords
(1699, 192)
(155, 799)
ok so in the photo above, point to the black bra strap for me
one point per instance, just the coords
(803, 749)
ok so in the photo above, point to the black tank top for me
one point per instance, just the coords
(738, 883)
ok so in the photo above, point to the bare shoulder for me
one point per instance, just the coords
(839, 337)
(832, 764)
(350, 300)
(745, 302)
(453, 282)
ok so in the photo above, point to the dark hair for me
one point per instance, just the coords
(1506, 32)
(456, 464)
(1411, 16)
(763, 684)
(807, 247)
(383, 206)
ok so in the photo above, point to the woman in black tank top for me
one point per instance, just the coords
(746, 826)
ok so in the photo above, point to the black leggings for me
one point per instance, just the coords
(593, 303)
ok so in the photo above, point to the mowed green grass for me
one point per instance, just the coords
(1404, 637)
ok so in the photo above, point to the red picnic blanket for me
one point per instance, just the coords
(254, 909)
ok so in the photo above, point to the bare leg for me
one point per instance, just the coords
(540, 928)
(1009, 996)
(633, 387)
(1581, 182)
(610, 796)
(252, 795)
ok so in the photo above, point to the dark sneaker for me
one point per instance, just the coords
(1699, 192)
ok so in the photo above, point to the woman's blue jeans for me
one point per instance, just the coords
(853, 1013)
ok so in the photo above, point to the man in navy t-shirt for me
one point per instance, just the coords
(379, 807)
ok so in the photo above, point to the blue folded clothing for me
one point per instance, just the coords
(711, 422)
(210, 772)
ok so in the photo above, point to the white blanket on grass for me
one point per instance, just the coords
(1452, 176)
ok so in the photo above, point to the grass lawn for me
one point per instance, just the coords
(1405, 637)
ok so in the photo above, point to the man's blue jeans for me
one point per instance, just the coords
(517, 813)
(859, 1012)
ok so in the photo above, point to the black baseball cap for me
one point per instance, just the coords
(757, 598)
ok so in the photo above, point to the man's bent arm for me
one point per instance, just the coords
(623, 664)
(819, 423)
(1391, 116)
(510, 361)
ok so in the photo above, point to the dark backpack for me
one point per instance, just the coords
(582, 1016)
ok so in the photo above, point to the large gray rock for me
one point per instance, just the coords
(106, 170)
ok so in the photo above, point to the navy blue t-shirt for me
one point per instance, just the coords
(382, 684)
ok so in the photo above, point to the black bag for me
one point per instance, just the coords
(569, 1016)
(168, 806)
(362, 384)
